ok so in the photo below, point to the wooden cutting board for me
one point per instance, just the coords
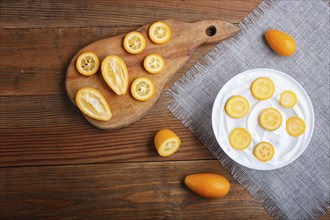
(185, 38)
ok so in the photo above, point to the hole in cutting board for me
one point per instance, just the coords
(211, 31)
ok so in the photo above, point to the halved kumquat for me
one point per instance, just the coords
(92, 103)
(115, 74)
(166, 142)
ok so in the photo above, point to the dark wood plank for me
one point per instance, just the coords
(45, 130)
(34, 61)
(119, 191)
(326, 216)
(43, 71)
(83, 13)
(37, 115)
(39, 126)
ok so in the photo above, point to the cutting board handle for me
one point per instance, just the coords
(211, 31)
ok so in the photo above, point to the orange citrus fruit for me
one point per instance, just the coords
(134, 42)
(154, 63)
(159, 33)
(264, 151)
(87, 63)
(270, 119)
(115, 74)
(295, 126)
(282, 43)
(92, 103)
(142, 89)
(240, 138)
(166, 142)
(237, 106)
(288, 99)
(262, 88)
(208, 185)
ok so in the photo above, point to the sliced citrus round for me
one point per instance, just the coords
(295, 126)
(92, 103)
(288, 99)
(270, 119)
(154, 63)
(240, 138)
(159, 33)
(87, 63)
(166, 142)
(115, 74)
(237, 106)
(134, 42)
(142, 89)
(262, 88)
(264, 151)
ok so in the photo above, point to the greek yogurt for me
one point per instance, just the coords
(287, 148)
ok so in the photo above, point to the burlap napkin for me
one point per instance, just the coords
(301, 189)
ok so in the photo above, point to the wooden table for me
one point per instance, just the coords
(54, 164)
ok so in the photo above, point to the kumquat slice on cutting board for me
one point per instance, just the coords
(134, 42)
(142, 89)
(159, 33)
(87, 63)
(154, 63)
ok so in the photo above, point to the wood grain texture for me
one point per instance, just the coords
(48, 13)
(119, 191)
(48, 130)
(80, 172)
(51, 128)
(185, 37)
(23, 75)
(49, 125)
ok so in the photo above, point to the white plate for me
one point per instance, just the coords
(287, 148)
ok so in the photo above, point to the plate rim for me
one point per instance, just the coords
(303, 91)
